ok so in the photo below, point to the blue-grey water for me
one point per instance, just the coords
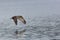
(38, 28)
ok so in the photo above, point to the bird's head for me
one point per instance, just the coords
(13, 17)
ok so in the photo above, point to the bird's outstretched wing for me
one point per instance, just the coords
(21, 19)
(15, 20)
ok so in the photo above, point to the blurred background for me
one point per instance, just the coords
(42, 16)
(29, 8)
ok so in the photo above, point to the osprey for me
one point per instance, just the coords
(19, 18)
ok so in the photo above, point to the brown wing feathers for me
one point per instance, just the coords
(20, 18)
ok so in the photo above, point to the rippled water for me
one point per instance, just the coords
(38, 28)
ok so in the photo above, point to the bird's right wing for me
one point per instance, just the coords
(21, 19)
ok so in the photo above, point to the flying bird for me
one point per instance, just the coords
(16, 18)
